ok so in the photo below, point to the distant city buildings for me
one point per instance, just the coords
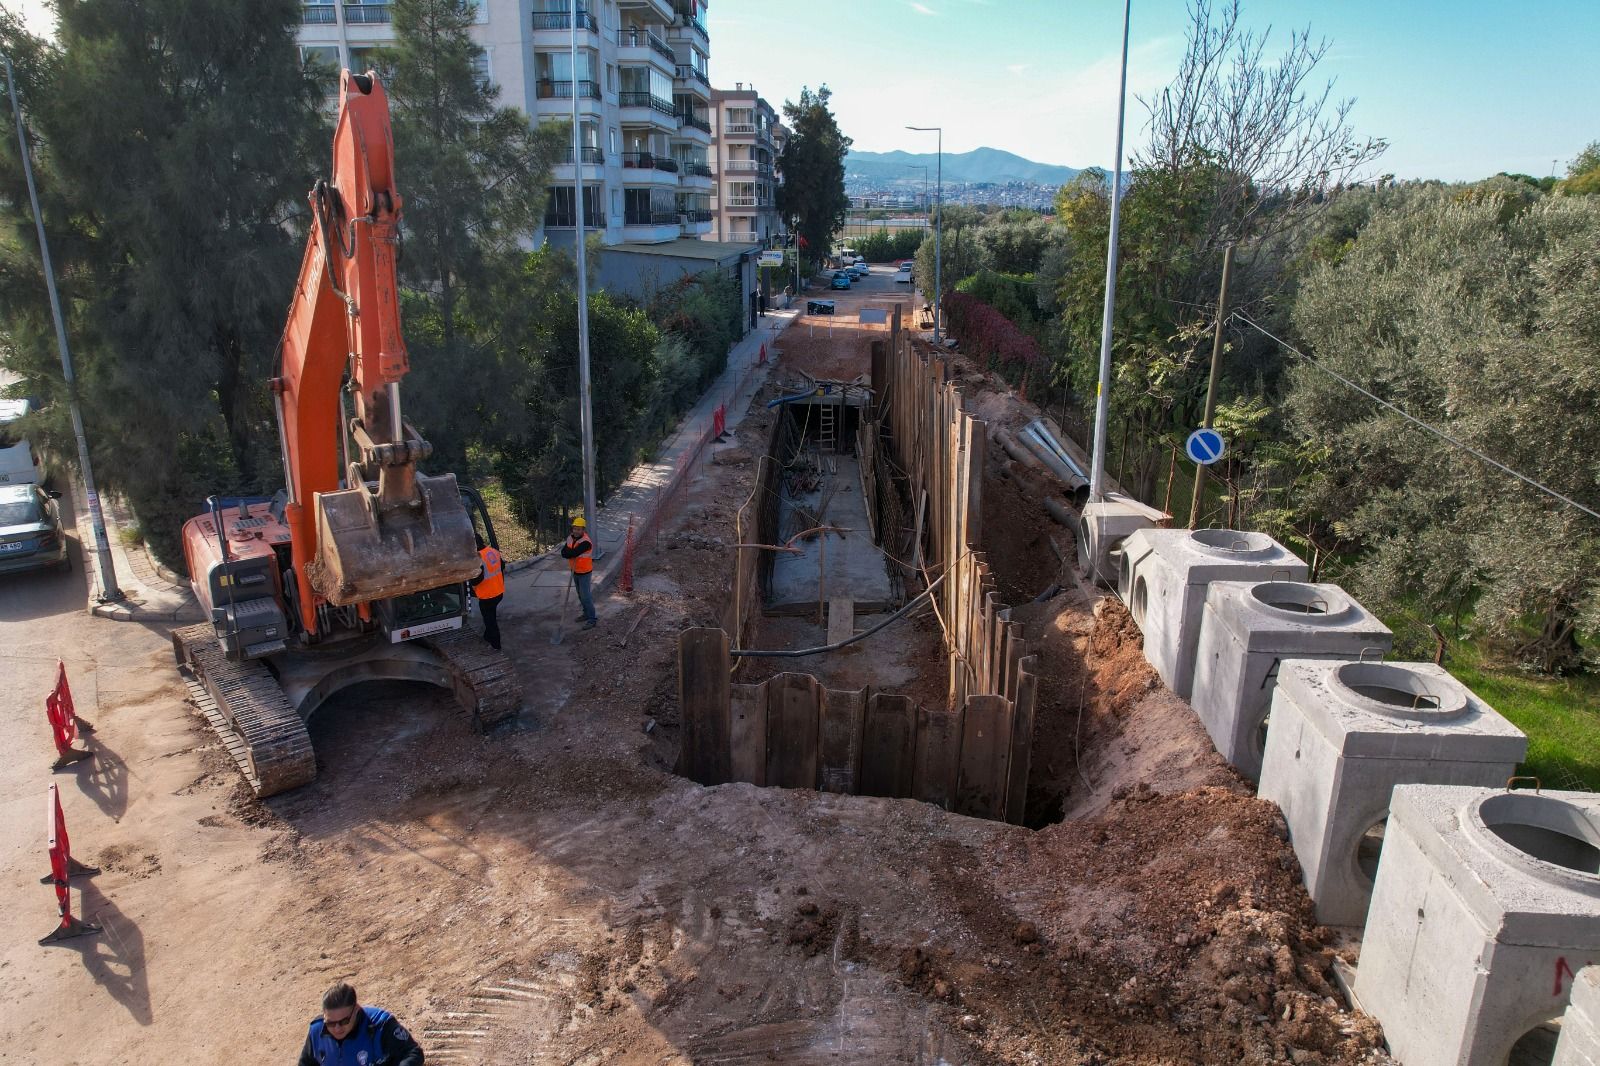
(868, 195)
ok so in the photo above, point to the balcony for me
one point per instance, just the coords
(686, 20)
(318, 15)
(550, 89)
(699, 215)
(747, 166)
(695, 120)
(634, 37)
(695, 170)
(684, 72)
(739, 129)
(365, 14)
(649, 161)
(650, 218)
(589, 154)
(654, 103)
(562, 20)
(739, 201)
(556, 219)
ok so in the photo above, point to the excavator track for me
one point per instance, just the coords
(248, 710)
(485, 681)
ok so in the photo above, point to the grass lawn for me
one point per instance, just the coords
(1560, 715)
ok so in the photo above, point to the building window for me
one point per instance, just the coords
(554, 73)
(558, 213)
(480, 69)
(322, 60)
(480, 11)
(318, 13)
(357, 13)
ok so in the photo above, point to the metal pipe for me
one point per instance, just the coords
(283, 438)
(397, 430)
(1102, 405)
(97, 521)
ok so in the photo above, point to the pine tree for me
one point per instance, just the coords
(173, 144)
(813, 170)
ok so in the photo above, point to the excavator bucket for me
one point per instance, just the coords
(366, 555)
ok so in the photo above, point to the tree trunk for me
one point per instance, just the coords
(1555, 649)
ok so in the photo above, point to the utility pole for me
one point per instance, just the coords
(109, 592)
(1102, 406)
(580, 250)
(1211, 386)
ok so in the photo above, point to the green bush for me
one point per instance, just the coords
(884, 246)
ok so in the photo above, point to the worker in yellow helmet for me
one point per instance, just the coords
(578, 551)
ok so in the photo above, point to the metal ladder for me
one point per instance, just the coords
(827, 428)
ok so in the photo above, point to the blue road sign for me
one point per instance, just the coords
(1205, 446)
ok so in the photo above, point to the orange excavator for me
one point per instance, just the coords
(357, 571)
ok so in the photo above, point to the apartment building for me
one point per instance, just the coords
(643, 93)
(747, 140)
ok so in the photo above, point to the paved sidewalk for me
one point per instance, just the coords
(539, 586)
(151, 593)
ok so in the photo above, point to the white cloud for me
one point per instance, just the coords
(1018, 68)
(921, 9)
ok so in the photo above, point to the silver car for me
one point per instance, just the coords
(31, 537)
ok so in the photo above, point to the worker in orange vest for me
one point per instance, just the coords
(578, 551)
(489, 586)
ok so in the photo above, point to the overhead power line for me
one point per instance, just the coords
(1436, 431)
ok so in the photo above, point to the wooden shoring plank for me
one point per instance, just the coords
(938, 748)
(993, 634)
(978, 434)
(981, 786)
(747, 731)
(839, 740)
(1016, 651)
(794, 708)
(888, 746)
(1022, 740)
(703, 700)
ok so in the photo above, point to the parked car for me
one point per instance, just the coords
(30, 530)
(841, 280)
(861, 269)
(903, 275)
(18, 463)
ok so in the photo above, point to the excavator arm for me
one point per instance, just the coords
(386, 530)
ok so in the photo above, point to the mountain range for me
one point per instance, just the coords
(978, 165)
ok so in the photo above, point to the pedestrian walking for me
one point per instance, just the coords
(578, 551)
(489, 587)
(348, 1034)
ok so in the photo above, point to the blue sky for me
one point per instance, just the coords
(1460, 89)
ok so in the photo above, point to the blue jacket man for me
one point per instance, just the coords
(348, 1034)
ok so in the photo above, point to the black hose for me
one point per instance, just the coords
(863, 635)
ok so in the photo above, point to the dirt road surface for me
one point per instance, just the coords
(554, 894)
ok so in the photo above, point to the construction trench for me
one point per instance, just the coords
(870, 513)
(1117, 892)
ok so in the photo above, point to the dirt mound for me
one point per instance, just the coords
(1181, 932)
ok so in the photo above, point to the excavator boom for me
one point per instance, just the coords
(389, 531)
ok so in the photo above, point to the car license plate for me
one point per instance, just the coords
(15, 546)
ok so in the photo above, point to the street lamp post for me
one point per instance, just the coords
(109, 592)
(1097, 460)
(938, 226)
(580, 249)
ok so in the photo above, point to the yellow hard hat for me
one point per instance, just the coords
(580, 523)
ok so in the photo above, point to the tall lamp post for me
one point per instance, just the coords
(1097, 464)
(106, 571)
(580, 252)
(938, 226)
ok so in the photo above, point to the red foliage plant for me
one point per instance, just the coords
(987, 333)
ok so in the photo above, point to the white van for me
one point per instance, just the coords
(18, 463)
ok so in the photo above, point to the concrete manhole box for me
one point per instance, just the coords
(1343, 735)
(1247, 630)
(1580, 1026)
(1486, 904)
(1163, 577)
